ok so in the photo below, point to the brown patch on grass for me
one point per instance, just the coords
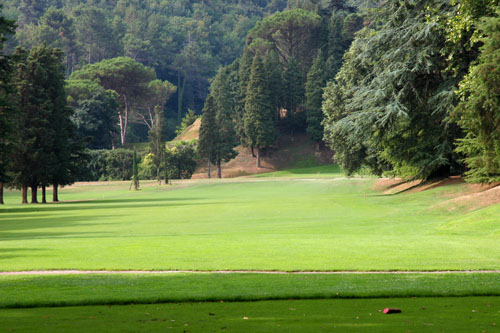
(479, 196)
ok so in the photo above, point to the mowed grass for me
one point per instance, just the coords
(101, 289)
(286, 224)
(471, 314)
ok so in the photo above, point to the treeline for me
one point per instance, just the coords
(417, 96)
(38, 146)
(278, 82)
(409, 88)
(184, 41)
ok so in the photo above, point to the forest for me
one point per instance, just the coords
(398, 87)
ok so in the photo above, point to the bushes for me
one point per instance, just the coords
(117, 164)
(181, 160)
(109, 165)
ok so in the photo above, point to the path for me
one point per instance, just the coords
(78, 272)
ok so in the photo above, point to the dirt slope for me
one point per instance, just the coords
(288, 152)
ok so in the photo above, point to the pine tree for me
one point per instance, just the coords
(316, 81)
(259, 113)
(225, 103)
(294, 87)
(208, 132)
(478, 112)
(6, 109)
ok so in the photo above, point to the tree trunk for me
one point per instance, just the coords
(317, 147)
(44, 192)
(219, 170)
(55, 194)
(34, 198)
(258, 157)
(253, 152)
(158, 175)
(24, 194)
(209, 175)
(1, 193)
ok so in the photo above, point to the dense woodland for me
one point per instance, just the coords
(398, 87)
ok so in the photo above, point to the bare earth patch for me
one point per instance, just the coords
(479, 198)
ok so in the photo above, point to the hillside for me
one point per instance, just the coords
(288, 152)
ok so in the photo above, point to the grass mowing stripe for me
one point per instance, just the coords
(468, 314)
(71, 290)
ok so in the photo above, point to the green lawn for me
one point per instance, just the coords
(471, 314)
(252, 224)
(68, 290)
(301, 219)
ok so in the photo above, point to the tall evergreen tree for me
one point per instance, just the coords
(478, 111)
(316, 81)
(259, 113)
(6, 109)
(225, 103)
(208, 132)
(157, 142)
(135, 172)
(294, 87)
(43, 151)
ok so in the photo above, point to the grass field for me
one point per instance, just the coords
(252, 224)
(305, 219)
(471, 314)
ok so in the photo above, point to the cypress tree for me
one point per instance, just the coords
(294, 87)
(225, 106)
(316, 81)
(259, 116)
(157, 142)
(208, 131)
(6, 109)
(135, 172)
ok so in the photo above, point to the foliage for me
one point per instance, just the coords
(127, 77)
(180, 160)
(189, 118)
(135, 172)
(95, 113)
(259, 113)
(395, 97)
(477, 112)
(109, 165)
(45, 149)
(157, 142)
(6, 92)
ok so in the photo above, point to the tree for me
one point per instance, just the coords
(157, 95)
(180, 160)
(95, 112)
(259, 113)
(208, 132)
(128, 78)
(477, 112)
(135, 172)
(6, 110)
(43, 150)
(157, 143)
(294, 87)
(316, 80)
(397, 95)
(225, 104)
(292, 34)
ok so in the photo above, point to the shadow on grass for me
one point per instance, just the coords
(11, 253)
(98, 204)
